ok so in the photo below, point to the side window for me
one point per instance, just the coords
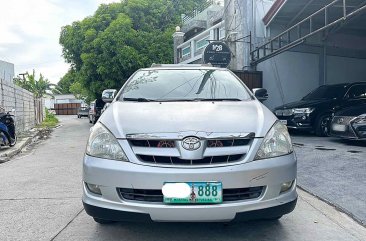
(357, 92)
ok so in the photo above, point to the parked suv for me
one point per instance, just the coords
(83, 112)
(314, 111)
(188, 143)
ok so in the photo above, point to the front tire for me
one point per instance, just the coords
(15, 141)
(322, 125)
(102, 221)
(90, 121)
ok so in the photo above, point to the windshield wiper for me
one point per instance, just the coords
(217, 99)
(196, 99)
(137, 99)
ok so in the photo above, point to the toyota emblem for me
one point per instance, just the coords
(191, 143)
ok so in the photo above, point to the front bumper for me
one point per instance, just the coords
(297, 123)
(120, 216)
(350, 130)
(110, 175)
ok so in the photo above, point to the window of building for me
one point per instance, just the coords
(202, 43)
(221, 33)
(217, 34)
(186, 51)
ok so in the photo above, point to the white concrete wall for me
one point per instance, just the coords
(13, 97)
(289, 76)
(345, 70)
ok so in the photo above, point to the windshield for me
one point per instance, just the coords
(326, 92)
(184, 85)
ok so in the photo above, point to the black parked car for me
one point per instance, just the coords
(350, 123)
(314, 111)
(95, 110)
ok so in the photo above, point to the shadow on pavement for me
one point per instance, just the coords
(254, 230)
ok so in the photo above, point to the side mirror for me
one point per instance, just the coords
(261, 94)
(108, 95)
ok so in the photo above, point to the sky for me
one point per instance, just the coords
(30, 29)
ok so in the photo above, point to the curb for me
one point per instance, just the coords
(5, 157)
(336, 206)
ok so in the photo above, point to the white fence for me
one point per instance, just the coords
(29, 111)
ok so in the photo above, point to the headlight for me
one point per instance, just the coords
(303, 110)
(103, 144)
(276, 143)
(360, 119)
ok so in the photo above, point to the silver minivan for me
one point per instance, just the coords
(188, 143)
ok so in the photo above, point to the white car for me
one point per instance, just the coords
(188, 143)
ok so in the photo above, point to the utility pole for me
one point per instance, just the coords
(230, 32)
(247, 29)
(23, 75)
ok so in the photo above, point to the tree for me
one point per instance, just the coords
(66, 81)
(36, 86)
(106, 48)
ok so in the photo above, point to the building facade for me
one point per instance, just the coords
(297, 45)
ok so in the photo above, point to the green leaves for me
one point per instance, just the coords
(37, 86)
(106, 48)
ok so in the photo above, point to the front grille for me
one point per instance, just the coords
(153, 143)
(171, 143)
(156, 196)
(344, 120)
(227, 142)
(178, 161)
(171, 152)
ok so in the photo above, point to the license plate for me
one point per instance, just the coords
(194, 192)
(284, 122)
(337, 127)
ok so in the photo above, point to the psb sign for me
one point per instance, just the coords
(218, 54)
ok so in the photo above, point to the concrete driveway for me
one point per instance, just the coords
(40, 199)
(334, 170)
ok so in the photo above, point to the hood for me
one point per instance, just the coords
(304, 104)
(123, 118)
(352, 111)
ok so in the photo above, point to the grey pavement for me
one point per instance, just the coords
(334, 170)
(40, 199)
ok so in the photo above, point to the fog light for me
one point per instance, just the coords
(286, 186)
(94, 188)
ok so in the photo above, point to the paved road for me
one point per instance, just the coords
(40, 200)
(334, 170)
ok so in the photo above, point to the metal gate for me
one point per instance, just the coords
(67, 109)
(252, 79)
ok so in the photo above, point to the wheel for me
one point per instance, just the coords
(102, 221)
(94, 120)
(322, 125)
(79, 116)
(90, 121)
(15, 141)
